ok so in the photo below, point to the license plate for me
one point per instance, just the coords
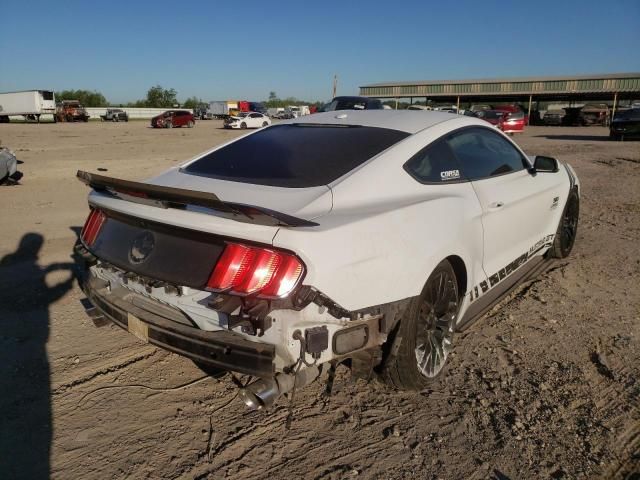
(138, 328)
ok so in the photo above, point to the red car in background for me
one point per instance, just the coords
(508, 122)
(513, 122)
(173, 118)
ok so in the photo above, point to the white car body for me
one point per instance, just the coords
(377, 231)
(248, 120)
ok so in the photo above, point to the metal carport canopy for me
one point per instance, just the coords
(626, 85)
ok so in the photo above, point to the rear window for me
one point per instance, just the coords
(297, 155)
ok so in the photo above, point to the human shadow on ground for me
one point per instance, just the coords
(25, 398)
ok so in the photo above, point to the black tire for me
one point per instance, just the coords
(243, 126)
(264, 124)
(190, 124)
(422, 341)
(169, 124)
(114, 119)
(567, 228)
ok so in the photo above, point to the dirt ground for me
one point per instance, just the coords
(547, 386)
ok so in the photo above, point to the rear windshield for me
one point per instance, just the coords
(297, 155)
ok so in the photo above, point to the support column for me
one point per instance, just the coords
(529, 112)
(615, 100)
(458, 105)
(396, 103)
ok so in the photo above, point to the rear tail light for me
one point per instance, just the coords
(244, 270)
(92, 227)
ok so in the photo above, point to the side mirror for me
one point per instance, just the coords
(545, 164)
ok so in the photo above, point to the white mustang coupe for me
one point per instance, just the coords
(365, 237)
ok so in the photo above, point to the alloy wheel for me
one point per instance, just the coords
(436, 322)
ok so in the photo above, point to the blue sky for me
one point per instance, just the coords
(218, 50)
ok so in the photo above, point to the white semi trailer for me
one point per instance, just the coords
(30, 104)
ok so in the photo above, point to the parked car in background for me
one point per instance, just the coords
(247, 120)
(173, 118)
(71, 111)
(284, 115)
(512, 109)
(352, 103)
(479, 107)
(419, 107)
(595, 114)
(625, 125)
(115, 115)
(572, 117)
(513, 122)
(494, 117)
(8, 166)
(553, 117)
(202, 112)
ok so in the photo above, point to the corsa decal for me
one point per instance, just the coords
(484, 286)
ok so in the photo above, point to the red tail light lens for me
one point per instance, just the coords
(92, 227)
(245, 270)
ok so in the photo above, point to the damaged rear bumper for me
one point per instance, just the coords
(220, 349)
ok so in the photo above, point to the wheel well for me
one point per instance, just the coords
(461, 273)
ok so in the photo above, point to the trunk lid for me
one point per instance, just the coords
(306, 203)
(302, 204)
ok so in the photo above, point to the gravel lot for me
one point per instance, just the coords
(547, 386)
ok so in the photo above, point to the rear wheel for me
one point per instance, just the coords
(568, 228)
(190, 124)
(264, 124)
(422, 341)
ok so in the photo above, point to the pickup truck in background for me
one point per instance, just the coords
(115, 115)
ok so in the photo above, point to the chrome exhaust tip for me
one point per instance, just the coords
(263, 393)
(260, 394)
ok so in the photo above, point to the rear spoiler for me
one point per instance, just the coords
(170, 197)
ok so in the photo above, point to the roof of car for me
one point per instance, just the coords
(410, 121)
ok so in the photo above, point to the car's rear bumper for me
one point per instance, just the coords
(225, 350)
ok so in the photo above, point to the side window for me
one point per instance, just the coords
(482, 153)
(434, 164)
(255, 115)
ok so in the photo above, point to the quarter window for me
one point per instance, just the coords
(482, 153)
(434, 164)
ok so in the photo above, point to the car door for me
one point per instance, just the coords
(516, 205)
(436, 167)
(254, 121)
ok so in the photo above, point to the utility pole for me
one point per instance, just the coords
(335, 85)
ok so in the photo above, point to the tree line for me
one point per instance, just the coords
(160, 97)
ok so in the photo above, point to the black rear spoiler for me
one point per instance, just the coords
(170, 197)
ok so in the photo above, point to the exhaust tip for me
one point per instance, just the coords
(250, 399)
